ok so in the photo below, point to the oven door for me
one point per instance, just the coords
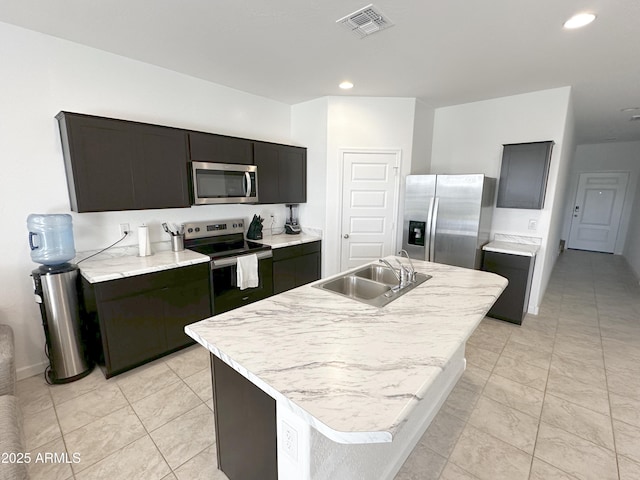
(226, 294)
(224, 183)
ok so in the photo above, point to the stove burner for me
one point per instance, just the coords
(219, 239)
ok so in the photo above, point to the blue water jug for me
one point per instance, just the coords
(51, 238)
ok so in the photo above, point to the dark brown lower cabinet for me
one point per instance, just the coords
(514, 300)
(137, 319)
(245, 421)
(295, 266)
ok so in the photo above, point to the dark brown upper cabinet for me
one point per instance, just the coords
(282, 173)
(523, 176)
(209, 147)
(119, 165)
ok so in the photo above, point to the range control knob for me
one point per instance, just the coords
(197, 229)
(190, 230)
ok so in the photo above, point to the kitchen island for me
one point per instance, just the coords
(337, 389)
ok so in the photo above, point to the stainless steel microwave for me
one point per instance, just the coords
(224, 183)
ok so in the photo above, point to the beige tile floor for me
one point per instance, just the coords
(555, 398)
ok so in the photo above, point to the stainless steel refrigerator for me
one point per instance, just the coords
(447, 218)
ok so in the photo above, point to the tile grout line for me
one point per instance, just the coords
(606, 381)
(466, 422)
(544, 394)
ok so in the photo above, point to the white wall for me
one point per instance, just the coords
(560, 188)
(632, 246)
(43, 75)
(422, 138)
(605, 157)
(468, 139)
(309, 128)
(362, 123)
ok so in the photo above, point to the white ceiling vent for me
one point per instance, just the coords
(365, 21)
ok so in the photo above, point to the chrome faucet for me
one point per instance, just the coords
(397, 275)
(410, 271)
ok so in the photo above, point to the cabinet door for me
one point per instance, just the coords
(119, 165)
(245, 423)
(184, 304)
(295, 266)
(284, 275)
(307, 269)
(142, 317)
(512, 303)
(159, 168)
(133, 330)
(208, 147)
(267, 159)
(293, 175)
(98, 160)
(523, 175)
(282, 173)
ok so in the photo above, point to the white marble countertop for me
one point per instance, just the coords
(284, 240)
(122, 263)
(352, 371)
(512, 248)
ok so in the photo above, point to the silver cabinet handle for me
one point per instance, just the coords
(346, 235)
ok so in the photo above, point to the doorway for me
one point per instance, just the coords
(369, 205)
(597, 211)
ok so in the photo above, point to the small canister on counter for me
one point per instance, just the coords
(177, 242)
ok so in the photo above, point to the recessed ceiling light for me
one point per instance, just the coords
(630, 109)
(579, 20)
(346, 85)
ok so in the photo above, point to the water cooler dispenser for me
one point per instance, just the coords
(56, 287)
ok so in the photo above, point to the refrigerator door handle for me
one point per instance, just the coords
(432, 227)
(428, 231)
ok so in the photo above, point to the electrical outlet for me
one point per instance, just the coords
(290, 440)
(124, 229)
(533, 224)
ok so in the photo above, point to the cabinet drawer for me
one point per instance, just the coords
(285, 253)
(125, 287)
(311, 247)
(495, 260)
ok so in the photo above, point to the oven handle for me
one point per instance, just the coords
(226, 262)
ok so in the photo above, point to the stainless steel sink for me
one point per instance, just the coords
(356, 287)
(379, 273)
(375, 285)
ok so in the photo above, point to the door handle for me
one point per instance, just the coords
(434, 223)
(346, 235)
(247, 177)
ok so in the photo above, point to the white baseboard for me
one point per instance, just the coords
(31, 370)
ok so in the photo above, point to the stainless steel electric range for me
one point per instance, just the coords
(223, 241)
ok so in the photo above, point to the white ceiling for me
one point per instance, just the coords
(443, 52)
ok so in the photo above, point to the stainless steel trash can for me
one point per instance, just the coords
(56, 290)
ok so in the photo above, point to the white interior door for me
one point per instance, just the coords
(597, 211)
(370, 186)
